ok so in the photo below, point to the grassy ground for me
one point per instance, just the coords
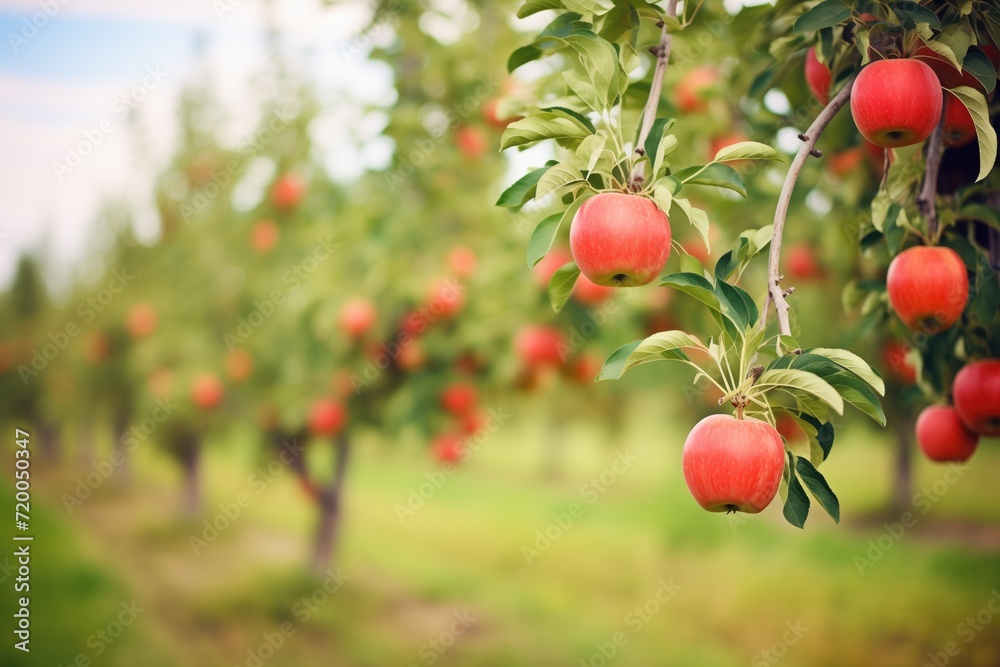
(679, 586)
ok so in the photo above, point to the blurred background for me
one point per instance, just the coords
(295, 398)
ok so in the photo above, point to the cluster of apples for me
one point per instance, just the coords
(952, 432)
(461, 401)
(286, 194)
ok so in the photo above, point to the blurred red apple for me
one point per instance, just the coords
(239, 365)
(357, 316)
(548, 265)
(590, 293)
(818, 76)
(287, 191)
(462, 262)
(411, 356)
(97, 348)
(471, 141)
(458, 399)
(895, 355)
(947, 75)
(786, 425)
(472, 422)
(446, 298)
(846, 161)
(326, 417)
(802, 262)
(448, 448)
(264, 236)
(206, 391)
(160, 382)
(141, 320)
(585, 369)
(538, 346)
(490, 109)
(959, 128)
(691, 91)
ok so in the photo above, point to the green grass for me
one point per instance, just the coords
(740, 581)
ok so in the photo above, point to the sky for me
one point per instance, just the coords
(82, 80)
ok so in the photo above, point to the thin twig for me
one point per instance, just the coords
(809, 138)
(656, 88)
(928, 193)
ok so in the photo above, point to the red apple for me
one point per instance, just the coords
(446, 298)
(895, 355)
(141, 320)
(472, 422)
(356, 317)
(540, 346)
(692, 88)
(264, 236)
(959, 128)
(620, 240)
(976, 392)
(548, 265)
(206, 391)
(590, 293)
(733, 464)
(239, 365)
(928, 287)
(818, 76)
(490, 113)
(287, 191)
(942, 436)
(326, 417)
(789, 428)
(458, 399)
(802, 262)
(448, 448)
(585, 369)
(896, 102)
(471, 141)
(462, 262)
(411, 356)
(946, 73)
(846, 161)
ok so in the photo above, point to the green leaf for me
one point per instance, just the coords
(911, 13)
(980, 66)
(880, 209)
(818, 487)
(854, 364)
(522, 56)
(824, 15)
(762, 83)
(747, 150)
(544, 125)
(541, 239)
(599, 60)
(524, 188)
(559, 176)
(561, 285)
(976, 104)
(985, 301)
(586, 122)
(796, 508)
(953, 43)
(660, 127)
(736, 308)
(801, 381)
(824, 433)
(662, 197)
(714, 175)
(663, 346)
(848, 385)
(590, 150)
(534, 6)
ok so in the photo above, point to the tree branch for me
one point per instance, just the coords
(775, 294)
(662, 51)
(928, 193)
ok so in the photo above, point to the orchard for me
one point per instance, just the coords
(361, 360)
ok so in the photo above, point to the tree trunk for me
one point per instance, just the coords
(48, 442)
(119, 429)
(190, 457)
(329, 501)
(902, 479)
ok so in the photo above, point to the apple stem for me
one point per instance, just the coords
(925, 200)
(662, 51)
(775, 294)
